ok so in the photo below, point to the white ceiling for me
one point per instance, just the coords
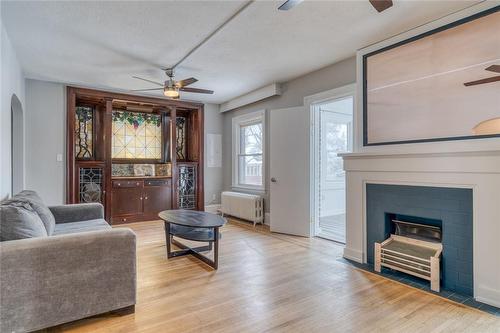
(102, 44)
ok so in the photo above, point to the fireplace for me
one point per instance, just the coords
(441, 215)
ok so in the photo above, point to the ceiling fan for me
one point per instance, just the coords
(492, 68)
(171, 87)
(379, 5)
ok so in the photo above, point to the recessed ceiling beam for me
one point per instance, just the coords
(219, 28)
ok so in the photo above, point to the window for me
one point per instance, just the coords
(335, 137)
(248, 150)
(136, 135)
(336, 142)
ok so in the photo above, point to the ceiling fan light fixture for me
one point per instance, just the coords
(171, 92)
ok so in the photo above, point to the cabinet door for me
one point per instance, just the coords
(186, 187)
(157, 196)
(127, 198)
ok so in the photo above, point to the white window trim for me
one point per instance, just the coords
(251, 117)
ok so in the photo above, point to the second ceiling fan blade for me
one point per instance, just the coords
(186, 82)
(197, 90)
(493, 68)
(381, 5)
(289, 4)
(150, 81)
(483, 81)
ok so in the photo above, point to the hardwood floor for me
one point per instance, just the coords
(274, 283)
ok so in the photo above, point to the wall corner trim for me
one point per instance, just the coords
(353, 254)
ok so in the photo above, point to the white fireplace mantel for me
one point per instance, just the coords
(479, 170)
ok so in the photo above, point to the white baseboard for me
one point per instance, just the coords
(492, 296)
(212, 208)
(353, 255)
(267, 219)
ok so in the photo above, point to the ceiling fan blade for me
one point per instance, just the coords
(482, 81)
(289, 4)
(154, 82)
(186, 82)
(493, 68)
(381, 5)
(196, 90)
(147, 89)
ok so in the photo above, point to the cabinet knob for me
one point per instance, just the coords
(140, 198)
(146, 198)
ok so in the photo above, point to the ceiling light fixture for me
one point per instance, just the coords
(171, 92)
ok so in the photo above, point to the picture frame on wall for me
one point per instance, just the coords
(441, 85)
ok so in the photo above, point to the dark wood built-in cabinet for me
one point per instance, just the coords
(140, 199)
(93, 157)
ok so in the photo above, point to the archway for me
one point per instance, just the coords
(17, 145)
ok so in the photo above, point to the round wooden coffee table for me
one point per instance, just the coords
(195, 226)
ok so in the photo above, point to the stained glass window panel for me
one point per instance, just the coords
(84, 120)
(187, 187)
(180, 124)
(90, 185)
(136, 135)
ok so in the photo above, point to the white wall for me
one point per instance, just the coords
(293, 93)
(46, 137)
(12, 82)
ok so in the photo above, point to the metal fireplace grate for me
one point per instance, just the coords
(413, 249)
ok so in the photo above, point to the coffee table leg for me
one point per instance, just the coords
(216, 248)
(167, 239)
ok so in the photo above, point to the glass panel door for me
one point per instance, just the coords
(335, 136)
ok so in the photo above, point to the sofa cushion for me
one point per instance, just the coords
(40, 208)
(18, 220)
(74, 227)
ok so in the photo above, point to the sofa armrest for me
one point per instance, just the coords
(77, 212)
(47, 281)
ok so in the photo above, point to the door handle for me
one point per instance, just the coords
(273, 180)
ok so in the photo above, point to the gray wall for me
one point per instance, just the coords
(11, 83)
(293, 93)
(46, 137)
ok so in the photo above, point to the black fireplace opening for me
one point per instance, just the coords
(391, 225)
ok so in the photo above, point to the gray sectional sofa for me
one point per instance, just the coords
(62, 263)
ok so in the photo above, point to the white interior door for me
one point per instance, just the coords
(289, 171)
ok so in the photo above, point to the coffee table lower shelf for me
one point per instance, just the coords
(210, 235)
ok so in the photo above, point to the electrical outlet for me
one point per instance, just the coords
(214, 197)
(59, 158)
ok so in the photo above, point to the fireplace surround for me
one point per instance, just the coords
(476, 171)
(447, 208)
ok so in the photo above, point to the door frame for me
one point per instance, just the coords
(311, 103)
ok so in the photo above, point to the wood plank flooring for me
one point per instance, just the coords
(274, 283)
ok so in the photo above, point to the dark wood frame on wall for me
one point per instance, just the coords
(406, 41)
(103, 134)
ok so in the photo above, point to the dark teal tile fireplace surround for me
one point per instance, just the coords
(448, 208)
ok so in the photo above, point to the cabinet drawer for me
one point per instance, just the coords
(157, 182)
(127, 183)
